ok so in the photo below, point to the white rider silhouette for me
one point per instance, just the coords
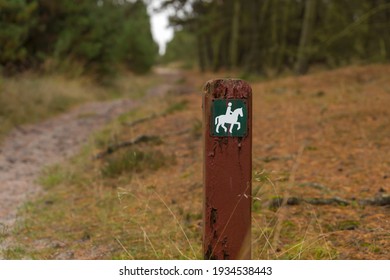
(229, 109)
(230, 117)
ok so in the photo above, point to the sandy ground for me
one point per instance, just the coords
(30, 148)
(27, 150)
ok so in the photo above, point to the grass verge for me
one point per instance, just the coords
(112, 207)
(29, 98)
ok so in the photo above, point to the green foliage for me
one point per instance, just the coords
(279, 35)
(17, 19)
(181, 48)
(76, 36)
(87, 39)
(139, 52)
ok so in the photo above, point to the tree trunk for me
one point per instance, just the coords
(279, 63)
(235, 34)
(201, 53)
(217, 47)
(302, 63)
(254, 62)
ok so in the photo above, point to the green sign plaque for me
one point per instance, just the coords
(229, 118)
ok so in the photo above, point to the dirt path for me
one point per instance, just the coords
(28, 149)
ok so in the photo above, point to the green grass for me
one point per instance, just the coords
(176, 107)
(134, 161)
(3, 232)
(99, 209)
(30, 98)
(196, 129)
(53, 176)
(16, 253)
(81, 210)
(347, 225)
(120, 225)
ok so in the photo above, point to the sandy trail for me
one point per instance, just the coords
(28, 149)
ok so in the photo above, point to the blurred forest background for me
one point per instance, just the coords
(280, 35)
(255, 36)
(86, 36)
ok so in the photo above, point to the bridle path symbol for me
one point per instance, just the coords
(221, 120)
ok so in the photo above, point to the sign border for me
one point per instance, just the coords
(212, 117)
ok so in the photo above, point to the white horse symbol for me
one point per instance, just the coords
(232, 119)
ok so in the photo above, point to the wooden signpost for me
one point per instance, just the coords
(227, 119)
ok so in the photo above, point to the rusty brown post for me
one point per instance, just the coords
(227, 119)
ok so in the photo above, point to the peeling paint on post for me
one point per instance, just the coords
(227, 119)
